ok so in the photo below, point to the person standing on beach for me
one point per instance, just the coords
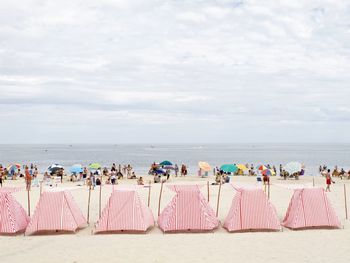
(60, 174)
(28, 178)
(36, 172)
(128, 169)
(1, 174)
(328, 180)
(113, 168)
(176, 170)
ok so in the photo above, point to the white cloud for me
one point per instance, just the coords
(154, 64)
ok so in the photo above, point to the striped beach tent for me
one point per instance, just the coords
(310, 208)
(13, 218)
(187, 211)
(56, 211)
(125, 211)
(251, 210)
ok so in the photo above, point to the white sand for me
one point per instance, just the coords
(220, 246)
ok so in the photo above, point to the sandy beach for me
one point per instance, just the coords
(154, 246)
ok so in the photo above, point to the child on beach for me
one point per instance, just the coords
(113, 178)
(140, 181)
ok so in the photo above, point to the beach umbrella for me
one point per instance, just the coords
(268, 172)
(13, 167)
(261, 167)
(293, 167)
(95, 166)
(242, 167)
(204, 166)
(168, 167)
(229, 168)
(159, 171)
(164, 163)
(76, 168)
(54, 167)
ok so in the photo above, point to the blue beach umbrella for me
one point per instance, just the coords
(76, 168)
(159, 171)
(229, 168)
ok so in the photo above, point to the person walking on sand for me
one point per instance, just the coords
(328, 180)
(28, 178)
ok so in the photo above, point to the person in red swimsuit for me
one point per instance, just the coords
(328, 180)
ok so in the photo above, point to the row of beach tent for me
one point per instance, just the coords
(188, 211)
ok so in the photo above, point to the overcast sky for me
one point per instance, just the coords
(174, 71)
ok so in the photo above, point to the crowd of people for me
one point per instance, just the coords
(89, 177)
(158, 171)
(336, 172)
(251, 170)
(94, 177)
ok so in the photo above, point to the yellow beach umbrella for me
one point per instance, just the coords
(204, 166)
(242, 167)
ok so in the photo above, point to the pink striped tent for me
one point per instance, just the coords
(187, 211)
(309, 208)
(251, 210)
(13, 218)
(56, 211)
(125, 212)
(10, 189)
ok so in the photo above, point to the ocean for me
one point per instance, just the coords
(140, 156)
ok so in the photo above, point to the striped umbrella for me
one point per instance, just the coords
(261, 167)
(13, 167)
(268, 172)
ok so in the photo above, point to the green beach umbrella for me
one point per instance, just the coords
(229, 168)
(95, 166)
(164, 163)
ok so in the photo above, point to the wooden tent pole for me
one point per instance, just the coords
(313, 182)
(268, 189)
(160, 197)
(218, 202)
(208, 190)
(41, 187)
(345, 203)
(88, 210)
(28, 202)
(100, 197)
(149, 192)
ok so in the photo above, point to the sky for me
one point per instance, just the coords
(174, 71)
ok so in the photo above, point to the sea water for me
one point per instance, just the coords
(141, 156)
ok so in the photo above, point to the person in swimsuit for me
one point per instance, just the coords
(328, 180)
